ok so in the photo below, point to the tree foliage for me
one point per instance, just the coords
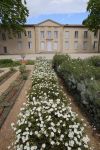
(93, 19)
(13, 14)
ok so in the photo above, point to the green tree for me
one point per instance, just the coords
(93, 19)
(13, 14)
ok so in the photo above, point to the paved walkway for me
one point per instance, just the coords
(6, 133)
(48, 56)
(7, 83)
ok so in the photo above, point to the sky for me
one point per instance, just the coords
(62, 11)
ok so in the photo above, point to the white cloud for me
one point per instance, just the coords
(38, 7)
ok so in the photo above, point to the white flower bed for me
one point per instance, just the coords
(46, 122)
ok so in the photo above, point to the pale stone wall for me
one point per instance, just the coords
(49, 44)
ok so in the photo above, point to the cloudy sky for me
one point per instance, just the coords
(40, 8)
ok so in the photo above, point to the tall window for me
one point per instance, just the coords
(19, 45)
(95, 45)
(5, 49)
(67, 34)
(85, 34)
(49, 34)
(19, 35)
(42, 34)
(85, 44)
(56, 34)
(3, 37)
(30, 45)
(95, 35)
(76, 45)
(55, 45)
(29, 34)
(42, 45)
(67, 44)
(76, 34)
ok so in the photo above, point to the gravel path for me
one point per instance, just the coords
(6, 84)
(6, 133)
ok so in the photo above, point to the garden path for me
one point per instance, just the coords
(7, 83)
(94, 138)
(6, 133)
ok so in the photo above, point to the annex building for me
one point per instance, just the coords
(50, 37)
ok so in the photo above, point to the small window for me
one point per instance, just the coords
(85, 34)
(67, 34)
(49, 34)
(19, 35)
(55, 45)
(19, 45)
(29, 34)
(42, 34)
(42, 45)
(76, 45)
(85, 44)
(3, 37)
(5, 49)
(95, 45)
(30, 45)
(56, 34)
(67, 45)
(76, 34)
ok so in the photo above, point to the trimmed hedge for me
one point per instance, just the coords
(8, 63)
(82, 79)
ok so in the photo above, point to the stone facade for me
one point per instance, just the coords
(50, 37)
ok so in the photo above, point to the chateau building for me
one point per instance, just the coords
(50, 37)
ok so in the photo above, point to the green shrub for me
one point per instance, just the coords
(30, 62)
(82, 79)
(8, 63)
(12, 69)
(22, 69)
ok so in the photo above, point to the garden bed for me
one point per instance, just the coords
(8, 98)
(82, 79)
(46, 121)
(6, 76)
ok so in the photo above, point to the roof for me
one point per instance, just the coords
(49, 20)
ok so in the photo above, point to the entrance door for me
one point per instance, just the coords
(49, 46)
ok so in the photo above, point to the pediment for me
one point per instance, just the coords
(49, 23)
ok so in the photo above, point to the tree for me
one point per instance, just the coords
(13, 15)
(93, 19)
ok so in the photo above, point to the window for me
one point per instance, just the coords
(30, 45)
(95, 35)
(49, 34)
(76, 34)
(95, 45)
(42, 45)
(3, 37)
(42, 34)
(29, 34)
(85, 34)
(19, 45)
(85, 45)
(19, 35)
(55, 45)
(76, 45)
(5, 49)
(67, 34)
(67, 45)
(55, 34)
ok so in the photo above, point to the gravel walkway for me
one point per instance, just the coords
(6, 84)
(6, 133)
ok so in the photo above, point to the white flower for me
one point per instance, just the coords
(43, 145)
(52, 134)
